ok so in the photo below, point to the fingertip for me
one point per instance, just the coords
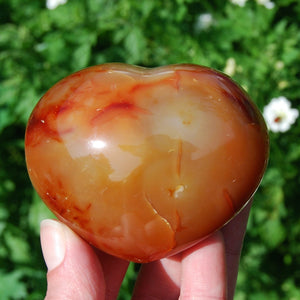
(214, 241)
(204, 270)
(53, 242)
(74, 271)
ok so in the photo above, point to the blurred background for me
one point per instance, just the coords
(254, 41)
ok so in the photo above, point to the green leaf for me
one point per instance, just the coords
(81, 56)
(273, 232)
(128, 282)
(135, 44)
(294, 152)
(11, 286)
(69, 15)
(38, 211)
(18, 246)
(5, 118)
(273, 176)
(291, 289)
(55, 48)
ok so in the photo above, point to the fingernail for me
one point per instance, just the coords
(53, 241)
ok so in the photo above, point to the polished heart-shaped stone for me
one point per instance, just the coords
(142, 163)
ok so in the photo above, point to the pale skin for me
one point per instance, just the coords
(208, 270)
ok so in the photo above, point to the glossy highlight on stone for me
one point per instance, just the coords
(141, 162)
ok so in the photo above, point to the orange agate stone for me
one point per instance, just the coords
(142, 163)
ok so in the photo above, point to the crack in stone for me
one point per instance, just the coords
(157, 213)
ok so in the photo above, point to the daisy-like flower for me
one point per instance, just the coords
(266, 3)
(240, 3)
(203, 22)
(52, 4)
(279, 115)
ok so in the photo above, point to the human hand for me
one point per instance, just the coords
(208, 270)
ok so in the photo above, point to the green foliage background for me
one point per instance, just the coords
(39, 46)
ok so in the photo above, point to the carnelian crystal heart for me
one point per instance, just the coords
(142, 163)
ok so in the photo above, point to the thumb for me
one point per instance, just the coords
(74, 271)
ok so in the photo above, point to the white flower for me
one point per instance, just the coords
(266, 3)
(279, 115)
(240, 3)
(203, 22)
(230, 66)
(52, 4)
